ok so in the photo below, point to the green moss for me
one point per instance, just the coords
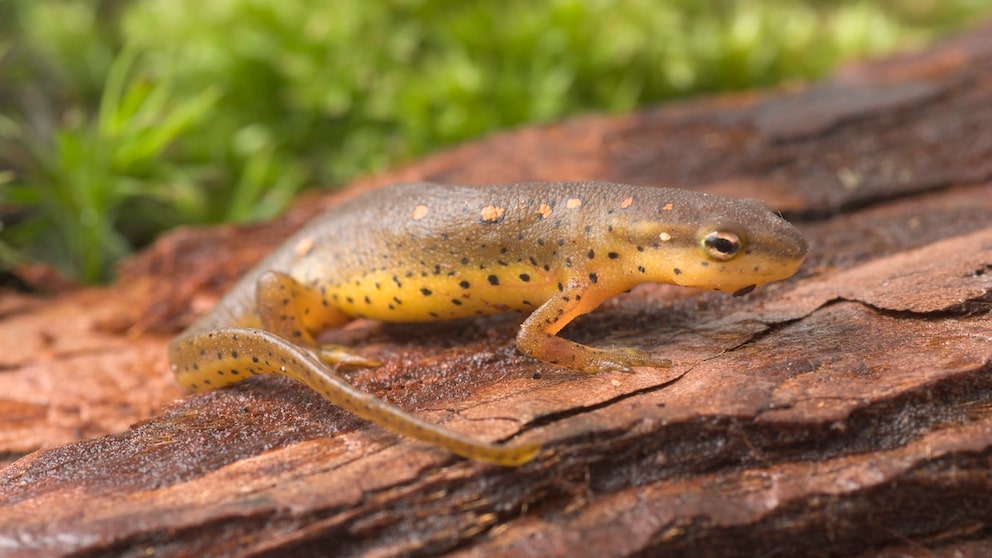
(125, 118)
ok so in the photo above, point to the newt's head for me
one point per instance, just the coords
(713, 242)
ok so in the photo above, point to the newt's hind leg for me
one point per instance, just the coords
(297, 312)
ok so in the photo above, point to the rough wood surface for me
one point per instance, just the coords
(845, 412)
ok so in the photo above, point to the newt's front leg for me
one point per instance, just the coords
(538, 335)
(211, 358)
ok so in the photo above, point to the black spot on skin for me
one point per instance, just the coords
(593, 277)
(547, 267)
(297, 333)
(203, 352)
(561, 287)
(349, 300)
(540, 242)
(377, 285)
(591, 254)
(397, 299)
(561, 242)
(641, 268)
(745, 290)
(254, 359)
(433, 314)
(220, 355)
(704, 264)
(533, 262)
(456, 302)
(677, 271)
(464, 284)
(368, 300)
(613, 255)
(425, 291)
(524, 277)
(493, 280)
(464, 261)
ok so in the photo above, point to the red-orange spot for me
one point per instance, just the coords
(544, 210)
(572, 203)
(420, 212)
(668, 207)
(304, 246)
(626, 203)
(491, 213)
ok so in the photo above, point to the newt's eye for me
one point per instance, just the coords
(722, 246)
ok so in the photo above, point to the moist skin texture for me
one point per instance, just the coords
(425, 252)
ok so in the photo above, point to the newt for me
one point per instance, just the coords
(424, 252)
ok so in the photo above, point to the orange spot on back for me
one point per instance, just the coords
(544, 210)
(420, 212)
(304, 246)
(491, 213)
(572, 203)
(668, 207)
(626, 203)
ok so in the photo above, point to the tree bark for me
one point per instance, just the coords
(844, 412)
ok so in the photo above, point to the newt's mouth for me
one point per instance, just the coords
(745, 290)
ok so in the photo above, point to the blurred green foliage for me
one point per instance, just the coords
(121, 118)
